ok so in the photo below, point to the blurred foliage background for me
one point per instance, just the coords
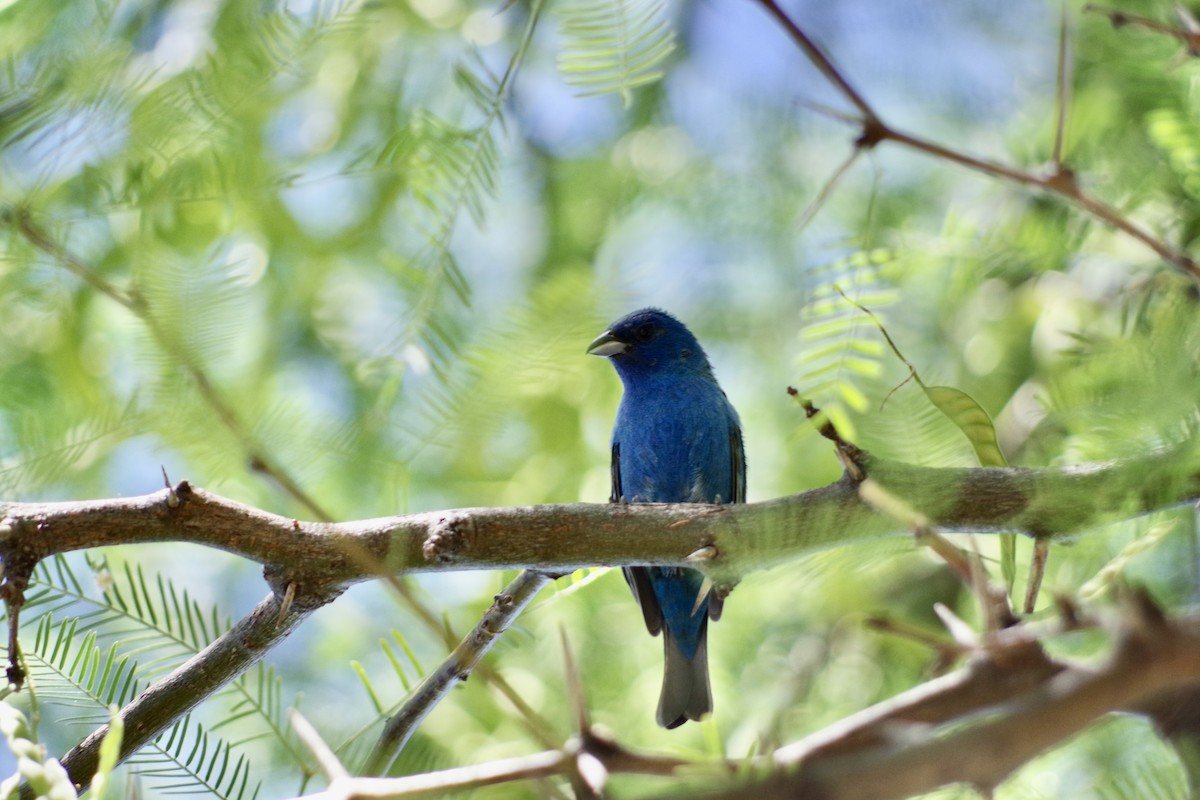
(344, 258)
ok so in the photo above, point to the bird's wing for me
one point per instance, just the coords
(737, 474)
(615, 470)
(737, 466)
(638, 578)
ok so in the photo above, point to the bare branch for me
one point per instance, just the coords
(1153, 656)
(746, 537)
(930, 736)
(319, 559)
(507, 606)
(1061, 181)
(1190, 38)
(592, 746)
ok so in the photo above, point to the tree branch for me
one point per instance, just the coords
(316, 559)
(1045, 503)
(933, 735)
(507, 606)
(1153, 655)
(1060, 181)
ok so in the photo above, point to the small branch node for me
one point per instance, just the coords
(445, 539)
(1064, 181)
(707, 553)
(874, 131)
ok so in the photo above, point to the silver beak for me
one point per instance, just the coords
(606, 345)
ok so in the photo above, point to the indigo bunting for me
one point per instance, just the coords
(677, 439)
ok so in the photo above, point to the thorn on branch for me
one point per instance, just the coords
(289, 597)
(172, 497)
(1037, 570)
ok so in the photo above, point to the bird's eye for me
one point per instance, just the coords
(644, 333)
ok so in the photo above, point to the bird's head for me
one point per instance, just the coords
(651, 341)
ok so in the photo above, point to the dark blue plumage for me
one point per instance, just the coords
(676, 439)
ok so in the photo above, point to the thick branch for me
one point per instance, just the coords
(1152, 656)
(313, 560)
(1042, 502)
(1036, 703)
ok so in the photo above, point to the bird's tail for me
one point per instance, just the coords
(685, 691)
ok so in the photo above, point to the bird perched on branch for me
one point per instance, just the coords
(677, 439)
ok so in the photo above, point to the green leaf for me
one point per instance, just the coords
(974, 422)
(614, 46)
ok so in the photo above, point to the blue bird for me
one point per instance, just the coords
(677, 439)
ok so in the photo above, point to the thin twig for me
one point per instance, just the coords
(1064, 92)
(827, 189)
(848, 453)
(256, 456)
(822, 62)
(465, 658)
(1061, 182)
(1121, 19)
(325, 757)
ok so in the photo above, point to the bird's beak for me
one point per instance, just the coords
(606, 345)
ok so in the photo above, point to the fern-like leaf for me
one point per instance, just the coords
(839, 351)
(104, 651)
(614, 46)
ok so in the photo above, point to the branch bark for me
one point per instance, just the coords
(1044, 503)
(313, 561)
(1153, 656)
(455, 669)
(933, 735)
